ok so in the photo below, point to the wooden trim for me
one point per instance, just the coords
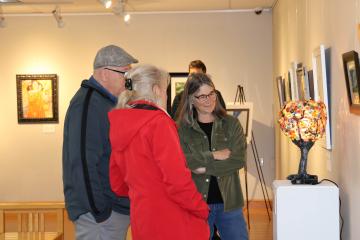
(30, 217)
(2, 222)
(31, 205)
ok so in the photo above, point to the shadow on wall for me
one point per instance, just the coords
(265, 145)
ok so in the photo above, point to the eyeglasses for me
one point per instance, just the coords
(115, 70)
(203, 97)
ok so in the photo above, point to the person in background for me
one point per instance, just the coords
(95, 210)
(215, 148)
(148, 165)
(196, 66)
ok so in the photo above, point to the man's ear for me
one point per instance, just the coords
(101, 75)
(156, 89)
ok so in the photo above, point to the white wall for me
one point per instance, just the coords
(236, 48)
(299, 26)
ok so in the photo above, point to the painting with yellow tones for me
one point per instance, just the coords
(37, 98)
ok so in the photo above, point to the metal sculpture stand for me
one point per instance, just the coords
(240, 98)
(303, 177)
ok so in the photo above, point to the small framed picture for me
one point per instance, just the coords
(294, 81)
(244, 112)
(321, 91)
(303, 84)
(37, 98)
(311, 84)
(352, 77)
(281, 90)
(177, 82)
(287, 84)
(292, 85)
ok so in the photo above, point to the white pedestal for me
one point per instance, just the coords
(308, 212)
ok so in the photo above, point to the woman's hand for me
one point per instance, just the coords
(200, 170)
(222, 154)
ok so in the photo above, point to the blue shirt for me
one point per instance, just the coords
(104, 90)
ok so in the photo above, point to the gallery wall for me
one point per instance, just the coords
(236, 48)
(300, 26)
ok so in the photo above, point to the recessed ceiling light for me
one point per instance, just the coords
(10, 1)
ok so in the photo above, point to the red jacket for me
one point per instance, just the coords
(148, 165)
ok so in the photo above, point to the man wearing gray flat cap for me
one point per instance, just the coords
(95, 210)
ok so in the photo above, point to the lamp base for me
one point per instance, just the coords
(303, 179)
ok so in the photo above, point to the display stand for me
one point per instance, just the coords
(240, 98)
(304, 211)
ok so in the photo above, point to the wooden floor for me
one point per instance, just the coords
(260, 225)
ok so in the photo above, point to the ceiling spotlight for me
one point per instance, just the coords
(119, 9)
(106, 3)
(2, 22)
(2, 19)
(10, 1)
(126, 17)
(57, 15)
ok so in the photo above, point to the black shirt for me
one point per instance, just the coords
(214, 194)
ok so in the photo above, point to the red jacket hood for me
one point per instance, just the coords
(126, 123)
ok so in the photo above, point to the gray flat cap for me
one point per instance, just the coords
(113, 56)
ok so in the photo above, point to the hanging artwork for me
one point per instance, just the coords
(37, 98)
(244, 112)
(352, 77)
(302, 83)
(280, 82)
(321, 90)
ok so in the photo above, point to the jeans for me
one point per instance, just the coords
(231, 225)
(114, 228)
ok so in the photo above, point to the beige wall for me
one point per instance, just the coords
(299, 26)
(235, 46)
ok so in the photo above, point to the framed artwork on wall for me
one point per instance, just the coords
(291, 84)
(244, 112)
(302, 82)
(280, 83)
(37, 98)
(311, 84)
(177, 83)
(352, 77)
(321, 91)
(287, 84)
(294, 82)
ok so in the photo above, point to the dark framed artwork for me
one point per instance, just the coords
(176, 85)
(280, 83)
(244, 112)
(37, 98)
(292, 85)
(287, 83)
(352, 77)
(303, 84)
(311, 84)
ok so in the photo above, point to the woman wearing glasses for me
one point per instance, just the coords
(215, 149)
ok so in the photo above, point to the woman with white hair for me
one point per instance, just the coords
(148, 165)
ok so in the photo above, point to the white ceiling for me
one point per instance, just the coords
(94, 6)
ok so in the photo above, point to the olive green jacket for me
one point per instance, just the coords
(226, 133)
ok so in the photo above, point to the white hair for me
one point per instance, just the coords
(143, 78)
